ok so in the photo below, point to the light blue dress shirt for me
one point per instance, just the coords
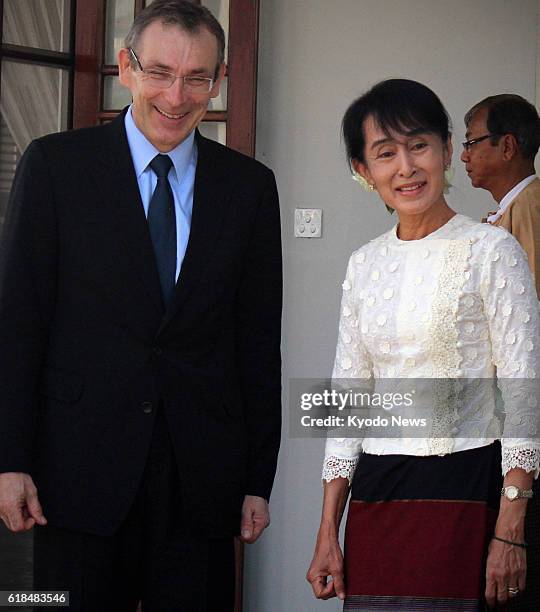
(181, 178)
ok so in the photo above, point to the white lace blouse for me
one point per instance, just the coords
(459, 303)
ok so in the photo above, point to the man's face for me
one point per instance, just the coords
(483, 161)
(167, 116)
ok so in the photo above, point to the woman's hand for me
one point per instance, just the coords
(507, 564)
(327, 561)
(506, 568)
(328, 558)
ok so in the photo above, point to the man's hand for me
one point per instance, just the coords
(255, 518)
(19, 504)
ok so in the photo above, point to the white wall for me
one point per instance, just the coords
(316, 56)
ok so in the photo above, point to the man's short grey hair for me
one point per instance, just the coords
(511, 114)
(187, 15)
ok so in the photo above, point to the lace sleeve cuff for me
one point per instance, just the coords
(335, 467)
(527, 459)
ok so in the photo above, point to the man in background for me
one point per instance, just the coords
(140, 308)
(502, 140)
(503, 137)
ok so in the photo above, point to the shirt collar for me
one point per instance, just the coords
(510, 197)
(143, 151)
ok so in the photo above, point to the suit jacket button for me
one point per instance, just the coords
(147, 407)
(157, 350)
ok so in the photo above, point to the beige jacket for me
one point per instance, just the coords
(522, 219)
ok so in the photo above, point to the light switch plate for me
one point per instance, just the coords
(308, 222)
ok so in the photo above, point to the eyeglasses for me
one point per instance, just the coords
(469, 143)
(161, 79)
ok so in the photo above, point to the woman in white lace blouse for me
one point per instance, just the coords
(431, 523)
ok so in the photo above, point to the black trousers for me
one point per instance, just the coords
(155, 557)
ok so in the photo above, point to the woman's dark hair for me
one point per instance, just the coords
(396, 105)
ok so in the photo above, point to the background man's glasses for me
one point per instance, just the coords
(469, 143)
(161, 79)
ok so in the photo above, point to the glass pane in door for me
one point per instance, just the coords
(220, 10)
(115, 96)
(215, 130)
(43, 24)
(120, 14)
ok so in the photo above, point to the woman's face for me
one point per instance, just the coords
(406, 169)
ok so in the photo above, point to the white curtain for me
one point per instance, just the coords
(34, 98)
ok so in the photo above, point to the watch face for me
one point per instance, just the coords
(512, 492)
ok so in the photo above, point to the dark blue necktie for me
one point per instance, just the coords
(162, 224)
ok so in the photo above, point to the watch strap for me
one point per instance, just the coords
(521, 493)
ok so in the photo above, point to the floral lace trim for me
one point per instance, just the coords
(527, 459)
(335, 467)
(443, 345)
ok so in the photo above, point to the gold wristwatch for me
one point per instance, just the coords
(512, 493)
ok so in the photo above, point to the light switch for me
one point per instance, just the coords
(308, 222)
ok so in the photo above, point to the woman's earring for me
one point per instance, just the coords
(356, 176)
(448, 176)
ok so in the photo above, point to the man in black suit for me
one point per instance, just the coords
(140, 306)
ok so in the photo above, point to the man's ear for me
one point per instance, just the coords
(125, 67)
(214, 93)
(509, 147)
(362, 170)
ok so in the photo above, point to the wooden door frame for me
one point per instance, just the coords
(89, 42)
(242, 69)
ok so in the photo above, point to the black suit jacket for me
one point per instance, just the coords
(88, 353)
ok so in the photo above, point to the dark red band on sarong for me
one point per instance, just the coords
(413, 544)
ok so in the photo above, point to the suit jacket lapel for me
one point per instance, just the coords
(210, 201)
(117, 178)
